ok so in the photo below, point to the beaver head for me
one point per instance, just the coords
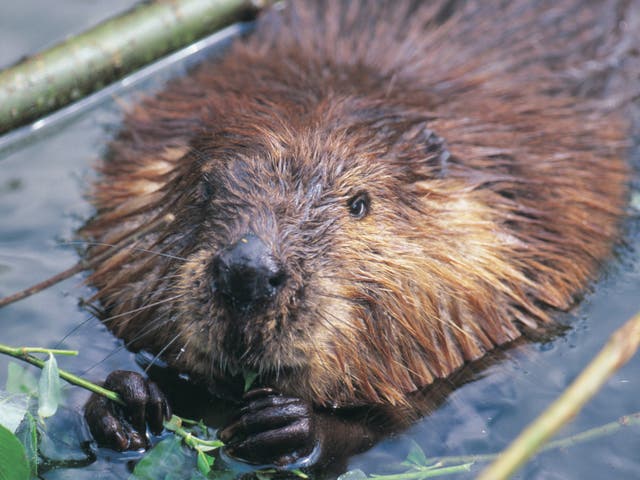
(349, 233)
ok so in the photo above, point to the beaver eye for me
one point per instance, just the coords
(359, 205)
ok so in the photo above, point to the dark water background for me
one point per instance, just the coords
(41, 204)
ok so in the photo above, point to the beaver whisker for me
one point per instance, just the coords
(245, 354)
(348, 280)
(151, 327)
(142, 308)
(75, 329)
(126, 247)
(162, 350)
(106, 319)
(156, 324)
(337, 296)
(222, 362)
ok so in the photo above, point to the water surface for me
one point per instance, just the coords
(42, 183)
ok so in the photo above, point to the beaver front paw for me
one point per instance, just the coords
(124, 427)
(271, 429)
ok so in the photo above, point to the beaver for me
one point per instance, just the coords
(360, 198)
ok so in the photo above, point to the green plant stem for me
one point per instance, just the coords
(21, 354)
(458, 459)
(52, 351)
(456, 463)
(618, 350)
(594, 433)
(89, 61)
(578, 438)
(174, 424)
(425, 473)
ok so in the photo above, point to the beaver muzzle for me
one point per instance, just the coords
(246, 275)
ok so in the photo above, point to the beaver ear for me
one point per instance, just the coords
(205, 188)
(203, 179)
(205, 191)
(436, 152)
(425, 150)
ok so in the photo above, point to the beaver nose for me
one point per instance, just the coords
(246, 274)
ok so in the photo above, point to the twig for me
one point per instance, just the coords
(38, 287)
(22, 353)
(618, 350)
(84, 265)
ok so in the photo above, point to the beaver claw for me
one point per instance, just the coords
(270, 429)
(124, 427)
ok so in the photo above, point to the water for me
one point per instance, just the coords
(42, 182)
(32, 25)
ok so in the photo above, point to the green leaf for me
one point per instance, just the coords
(353, 475)
(203, 462)
(416, 456)
(214, 445)
(49, 388)
(13, 458)
(167, 460)
(21, 380)
(249, 378)
(173, 423)
(28, 436)
(12, 409)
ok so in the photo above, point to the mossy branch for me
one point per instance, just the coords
(85, 63)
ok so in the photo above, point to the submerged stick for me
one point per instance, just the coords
(618, 350)
(91, 60)
(82, 265)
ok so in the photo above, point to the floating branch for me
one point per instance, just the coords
(85, 63)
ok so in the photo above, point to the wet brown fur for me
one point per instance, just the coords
(492, 153)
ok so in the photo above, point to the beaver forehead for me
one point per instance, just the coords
(312, 170)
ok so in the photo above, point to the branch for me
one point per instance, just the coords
(89, 61)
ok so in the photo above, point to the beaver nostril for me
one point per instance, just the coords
(246, 275)
(278, 280)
